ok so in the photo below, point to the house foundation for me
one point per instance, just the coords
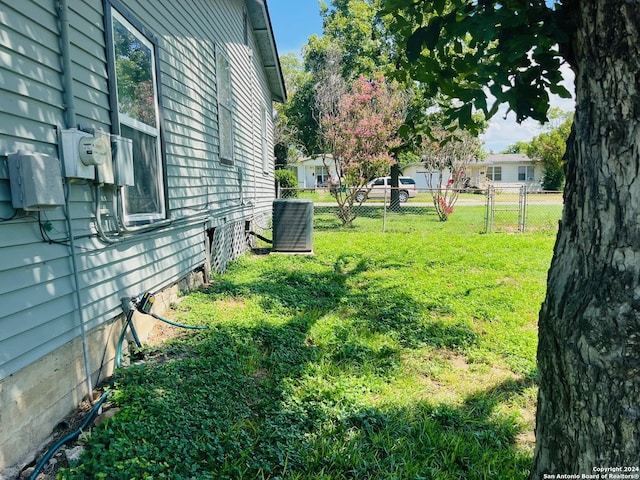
(38, 397)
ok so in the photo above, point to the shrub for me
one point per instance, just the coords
(288, 182)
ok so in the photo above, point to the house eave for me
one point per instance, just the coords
(265, 40)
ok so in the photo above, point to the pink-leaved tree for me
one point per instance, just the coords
(362, 132)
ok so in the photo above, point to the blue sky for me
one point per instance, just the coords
(294, 21)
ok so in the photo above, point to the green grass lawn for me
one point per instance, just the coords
(404, 355)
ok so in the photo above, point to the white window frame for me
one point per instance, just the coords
(322, 175)
(494, 173)
(527, 171)
(153, 131)
(224, 96)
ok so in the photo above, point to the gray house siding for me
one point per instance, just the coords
(205, 198)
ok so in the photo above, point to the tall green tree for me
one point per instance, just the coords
(353, 30)
(473, 50)
(286, 135)
(589, 328)
(362, 35)
(549, 148)
(519, 147)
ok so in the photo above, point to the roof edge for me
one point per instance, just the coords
(259, 16)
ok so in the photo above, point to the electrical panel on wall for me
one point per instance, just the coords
(35, 180)
(123, 160)
(83, 152)
(104, 169)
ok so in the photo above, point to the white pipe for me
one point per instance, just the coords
(70, 114)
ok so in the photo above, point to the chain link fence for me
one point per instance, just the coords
(521, 209)
(509, 209)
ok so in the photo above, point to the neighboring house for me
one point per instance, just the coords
(177, 167)
(425, 179)
(506, 170)
(316, 171)
(498, 169)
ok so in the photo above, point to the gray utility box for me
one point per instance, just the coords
(36, 181)
(293, 226)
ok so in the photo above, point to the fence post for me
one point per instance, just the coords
(522, 211)
(384, 212)
(490, 199)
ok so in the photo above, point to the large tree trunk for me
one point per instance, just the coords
(395, 186)
(589, 333)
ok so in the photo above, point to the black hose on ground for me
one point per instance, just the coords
(264, 239)
(118, 364)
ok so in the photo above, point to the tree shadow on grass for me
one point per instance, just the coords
(249, 402)
(425, 440)
(266, 400)
(367, 305)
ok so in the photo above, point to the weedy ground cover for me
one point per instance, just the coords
(409, 354)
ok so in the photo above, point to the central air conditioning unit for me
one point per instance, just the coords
(293, 226)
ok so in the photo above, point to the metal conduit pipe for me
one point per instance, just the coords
(125, 229)
(67, 78)
(98, 220)
(96, 408)
(70, 114)
(128, 325)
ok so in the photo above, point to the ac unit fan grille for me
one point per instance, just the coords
(293, 226)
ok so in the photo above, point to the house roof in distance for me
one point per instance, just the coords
(504, 158)
(491, 159)
(316, 159)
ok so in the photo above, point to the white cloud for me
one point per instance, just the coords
(503, 132)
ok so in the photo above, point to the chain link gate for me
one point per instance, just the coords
(506, 208)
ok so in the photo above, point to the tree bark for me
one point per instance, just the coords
(395, 186)
(589, 330)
